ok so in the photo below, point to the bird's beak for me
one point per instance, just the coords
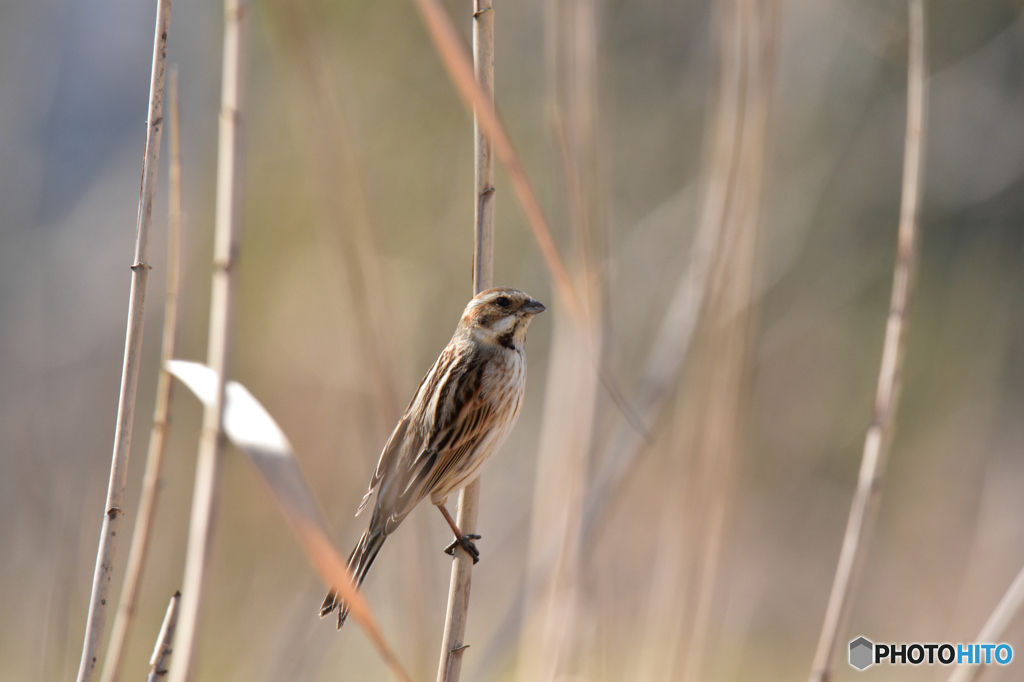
(533, 306)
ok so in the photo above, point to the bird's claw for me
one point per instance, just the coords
(466, 542)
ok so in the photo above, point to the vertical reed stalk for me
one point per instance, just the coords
(162, 650)
(708, 406)
(158, 435)
(453, 641)
(879, 434)
(226, 228)
(730, 316)
(549, 637)
(551, 602)
(660, 375)
(94, 626)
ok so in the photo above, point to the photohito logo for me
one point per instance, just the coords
(864, 653)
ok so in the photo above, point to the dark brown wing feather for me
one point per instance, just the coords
(433, 436)
(397, 442)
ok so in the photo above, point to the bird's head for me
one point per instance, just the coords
(500, 316)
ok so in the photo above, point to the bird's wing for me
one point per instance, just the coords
(387, 458)
(463, 438)
(398, 442)
(447, 421)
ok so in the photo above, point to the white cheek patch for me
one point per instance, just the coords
(504, 324)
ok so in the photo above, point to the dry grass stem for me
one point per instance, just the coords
(710, 409)
(669, 350)
(879, 434)
(661, 625)
(162, 650)
(750, 35)
(113, 509)
(226, 227)
(566, 430)
(1006, 610)
(671, 345)
(249, 426)
(453, 643)
(158, 435)
(661, 372)
(551, 629)
(483, 150)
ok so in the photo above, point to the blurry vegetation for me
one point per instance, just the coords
(949, 538)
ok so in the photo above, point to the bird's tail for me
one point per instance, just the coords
(359, 563)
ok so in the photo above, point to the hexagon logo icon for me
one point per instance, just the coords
(861, 653)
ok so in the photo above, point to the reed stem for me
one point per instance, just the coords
(453, 642)
(229, 192)
(113, 509)
(879, 435)
(162, 650)
(158, 435)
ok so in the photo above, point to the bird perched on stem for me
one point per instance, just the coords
(460, 415)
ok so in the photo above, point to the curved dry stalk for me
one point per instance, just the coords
(96, 619)
(1006, 610)
(453, 641)
(158, 435)
(226, 228)
(162, 650)
(879, 435)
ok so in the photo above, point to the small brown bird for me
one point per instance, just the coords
(461, 414)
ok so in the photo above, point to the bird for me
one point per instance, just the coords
(460, 415)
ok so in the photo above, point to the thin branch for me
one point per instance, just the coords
(226, 228)
(453, 641)
(158, 435)
(162, 650)
(879, 435)
(994, 627)
(94, 626)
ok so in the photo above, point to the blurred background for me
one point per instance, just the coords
(712, 559)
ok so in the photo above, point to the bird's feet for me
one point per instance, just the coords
(466, 542)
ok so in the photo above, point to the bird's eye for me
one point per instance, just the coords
(502, 302)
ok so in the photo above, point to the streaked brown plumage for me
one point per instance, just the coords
(460, 415)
